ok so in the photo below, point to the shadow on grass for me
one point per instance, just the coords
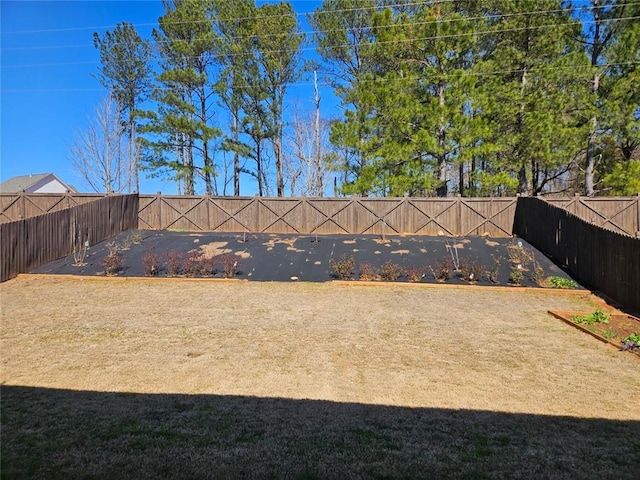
(49, 434)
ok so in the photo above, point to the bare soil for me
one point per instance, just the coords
(113, 378)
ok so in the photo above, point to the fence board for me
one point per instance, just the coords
(620, 214)
(381, 216)
(16, 206)
(601, 258)
(31, 242)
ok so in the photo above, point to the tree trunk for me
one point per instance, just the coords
(236, 157)
(442, 189)
(318, 150)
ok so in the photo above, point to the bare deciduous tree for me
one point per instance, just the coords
(97, 153)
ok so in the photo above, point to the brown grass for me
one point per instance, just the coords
(208, 379)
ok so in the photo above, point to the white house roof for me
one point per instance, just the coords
(36, 183)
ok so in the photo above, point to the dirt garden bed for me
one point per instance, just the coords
(614, 328)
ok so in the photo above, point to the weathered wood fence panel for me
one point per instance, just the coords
(414, 216)
(31, 242)
(620, 214)
(600, 258)
(16, 206)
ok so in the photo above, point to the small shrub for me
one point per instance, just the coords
(229, 263)
(494, 273)
(390, 272)
(207, 266)
(516, 275)
(174, 263)
(414, 273)
(135, 237)
(192, 263)
(518, 255)
(634, 337)
(471, 271)
(151, 262)
(561, 282)
(342, 268)
(368, 272)
(592, 318)
(112, 263)
(442, 270)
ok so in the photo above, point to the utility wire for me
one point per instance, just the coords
(385, 42)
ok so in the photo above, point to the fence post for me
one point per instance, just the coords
(158, 224)
(21, 205)
(459, 220)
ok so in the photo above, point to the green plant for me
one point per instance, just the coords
(442, 270)
(515, 277)
(597, 316)
(342, 268)
(390, 271)
(561, 282)
(634, 337)
(368, 272)
(414, 273)
(609, 334)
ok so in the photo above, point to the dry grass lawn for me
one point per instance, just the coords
(202, 379)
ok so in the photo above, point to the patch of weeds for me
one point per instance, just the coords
(368, 272)
(342, 268)
(609, 334)
(442, 270)
(415, 273)
(471, 271)
(229, 263)
(597, 316)
(493, 274)
(174, 263)
(113, 262)
(561, 282)
(390, 272)
(152, 261)
(516, 275)
(126, 243)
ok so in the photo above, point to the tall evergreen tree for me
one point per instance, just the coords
(125, 70)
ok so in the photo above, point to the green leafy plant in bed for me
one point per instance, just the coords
(561, 282)
(592, 318)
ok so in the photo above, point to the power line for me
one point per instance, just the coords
(386, 42)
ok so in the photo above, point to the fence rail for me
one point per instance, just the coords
(17, 206)
(31, 242)
(415, 216)
(603, 259)
(620, 214)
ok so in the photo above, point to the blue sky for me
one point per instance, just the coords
(47, 61)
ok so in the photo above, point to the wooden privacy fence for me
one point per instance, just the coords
(600, 258)
(620, 214)
(16, 206)
(29, 243)
(407, 215)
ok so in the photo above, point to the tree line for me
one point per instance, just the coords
(441, 97)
